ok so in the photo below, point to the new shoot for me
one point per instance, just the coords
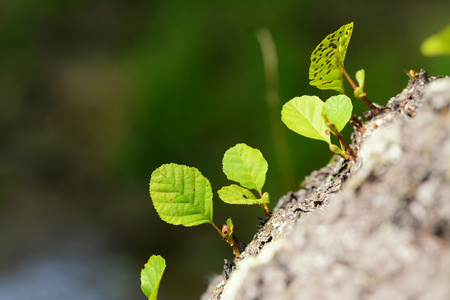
(311, 117)
(327, 66)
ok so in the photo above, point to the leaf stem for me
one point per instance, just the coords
(218, 230)
(350, 80)
(341, 139)
(231, 241)
(233, 244)
(347, 147)
(266, 209)
(376, 110)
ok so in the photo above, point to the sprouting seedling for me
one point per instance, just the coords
(327, 66)
(311, 117)
(246, 166)
(336, 113)
(151, 276)
(183, 196)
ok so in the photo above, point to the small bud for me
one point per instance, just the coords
(266, 197)
(335, 149)
(413, 74)
(226, 230)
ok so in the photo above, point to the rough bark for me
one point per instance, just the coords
(376, 228)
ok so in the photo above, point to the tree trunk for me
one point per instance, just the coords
(375, 228)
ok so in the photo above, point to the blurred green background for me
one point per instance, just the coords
(94, 95)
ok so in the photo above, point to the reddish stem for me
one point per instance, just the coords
(350, 80)
(265, 207)
(266, 210)
(231, 241)
(340, 137)
(355, 121)
(347, 147)
(376, 110)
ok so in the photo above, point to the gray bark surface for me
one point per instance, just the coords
(375, 228)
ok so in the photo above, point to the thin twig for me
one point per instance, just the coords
(376, 110)
(352, 153)
(355, 121)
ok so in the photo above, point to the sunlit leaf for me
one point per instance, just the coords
(338, 110)
(181, 195)
(359, 91)
(437, 44)
(246, 166)
(266, 198)
(234, 194)
(361, 78)
(151, 276)
(230, 224)
(324, 71)
(303, 116)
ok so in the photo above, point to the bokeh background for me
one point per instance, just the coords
(94, 95)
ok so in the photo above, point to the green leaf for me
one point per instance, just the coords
(245, 165)
(266, 198)
(437, 44)
(234, 194)
(181, 195)
(324, 71)
(338, 110)
(151, 276)
(359, 91)
(303, 116)
(230, 224)
(361, 78)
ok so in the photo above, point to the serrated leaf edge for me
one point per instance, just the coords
(154, 261)
(206, 213)
(241, 201)
(260, 170)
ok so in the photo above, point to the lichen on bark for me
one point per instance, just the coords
(378, 228)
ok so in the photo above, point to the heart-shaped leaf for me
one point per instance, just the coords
(324, 71)
(181, 195)
(246, 166)
(338, 110)
(151, 276)
(303, 116)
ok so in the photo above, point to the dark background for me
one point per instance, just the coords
(94, 95)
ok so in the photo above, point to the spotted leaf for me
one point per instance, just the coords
(327, 60)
